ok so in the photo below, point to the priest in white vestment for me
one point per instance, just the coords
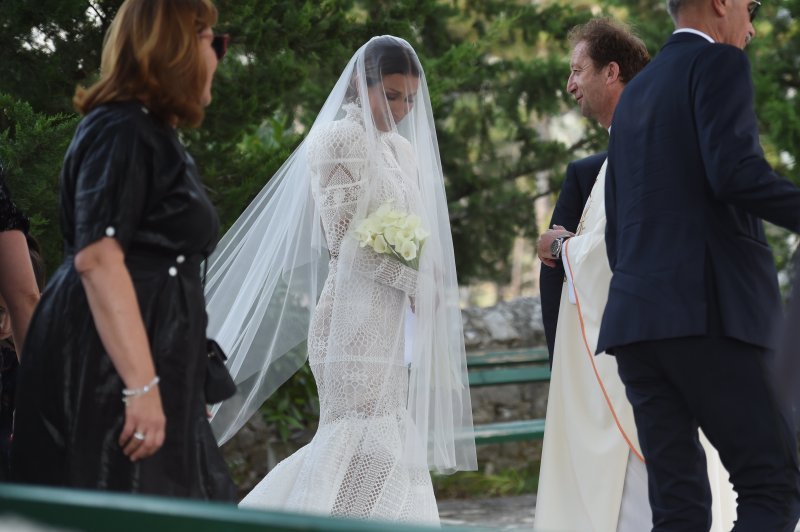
(592, 475)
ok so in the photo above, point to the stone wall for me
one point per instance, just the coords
(257, 447)
(516, 323)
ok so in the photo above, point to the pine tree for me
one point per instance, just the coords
(496, 70)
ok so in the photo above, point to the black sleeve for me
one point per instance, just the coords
(111, 184)
(567, 213)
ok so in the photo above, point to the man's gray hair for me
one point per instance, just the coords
(673, 6)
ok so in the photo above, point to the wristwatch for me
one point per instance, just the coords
(556, 246)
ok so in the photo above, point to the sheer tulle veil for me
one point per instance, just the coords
(266, 276)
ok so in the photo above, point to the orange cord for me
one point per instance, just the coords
(591, 357)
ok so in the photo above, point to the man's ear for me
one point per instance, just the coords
(720, 7)
(612, 73)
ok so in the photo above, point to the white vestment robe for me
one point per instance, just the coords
(591, 453)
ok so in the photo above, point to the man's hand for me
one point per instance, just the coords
(545, 240)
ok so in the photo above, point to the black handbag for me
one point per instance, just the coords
(219, 384)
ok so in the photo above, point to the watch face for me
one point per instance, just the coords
(555, 247)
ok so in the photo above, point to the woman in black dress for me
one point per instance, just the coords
(17, 282)
(21, 279)
(110, 391)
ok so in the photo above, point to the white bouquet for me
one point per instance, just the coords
(391, 232)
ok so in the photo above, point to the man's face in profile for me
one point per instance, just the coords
(586, 83)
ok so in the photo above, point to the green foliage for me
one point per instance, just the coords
(489, 94)
(496, 71)
(498, 89)
(50, 46)
(474, 484)
(32, 146)
(295, 407)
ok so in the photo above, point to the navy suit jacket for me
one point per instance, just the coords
(787, 364)
(575, 190)
(687, 186)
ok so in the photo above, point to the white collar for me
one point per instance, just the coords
(696, 32)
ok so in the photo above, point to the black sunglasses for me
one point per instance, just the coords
(752, 8)
(220, 45)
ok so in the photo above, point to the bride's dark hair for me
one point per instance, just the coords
(385, 56)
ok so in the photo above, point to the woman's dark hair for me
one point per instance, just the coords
(387, 55)
(384, 56)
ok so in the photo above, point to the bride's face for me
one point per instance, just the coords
(392, 99)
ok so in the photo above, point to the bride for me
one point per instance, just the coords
(346, 257)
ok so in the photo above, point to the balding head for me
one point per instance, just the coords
(673, 6)
(725, 21)
(676, 6)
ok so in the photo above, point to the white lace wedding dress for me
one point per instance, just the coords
(358, 463)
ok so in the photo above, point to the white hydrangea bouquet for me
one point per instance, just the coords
(392, 232)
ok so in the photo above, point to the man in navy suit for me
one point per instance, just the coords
(580, 178)
(694, 300)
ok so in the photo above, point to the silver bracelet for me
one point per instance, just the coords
(129, 393)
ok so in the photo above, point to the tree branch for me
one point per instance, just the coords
(99, 13)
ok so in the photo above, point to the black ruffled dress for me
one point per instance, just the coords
(125, 176)
(10, 216)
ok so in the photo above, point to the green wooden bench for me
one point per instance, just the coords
(511, 366)
(98, 511)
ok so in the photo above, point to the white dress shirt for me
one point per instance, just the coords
(696, 32)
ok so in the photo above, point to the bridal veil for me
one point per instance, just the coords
(266, 276)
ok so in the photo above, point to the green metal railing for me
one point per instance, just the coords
(99, 511)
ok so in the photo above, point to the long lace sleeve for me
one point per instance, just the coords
(338, 161)
(395, 274)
